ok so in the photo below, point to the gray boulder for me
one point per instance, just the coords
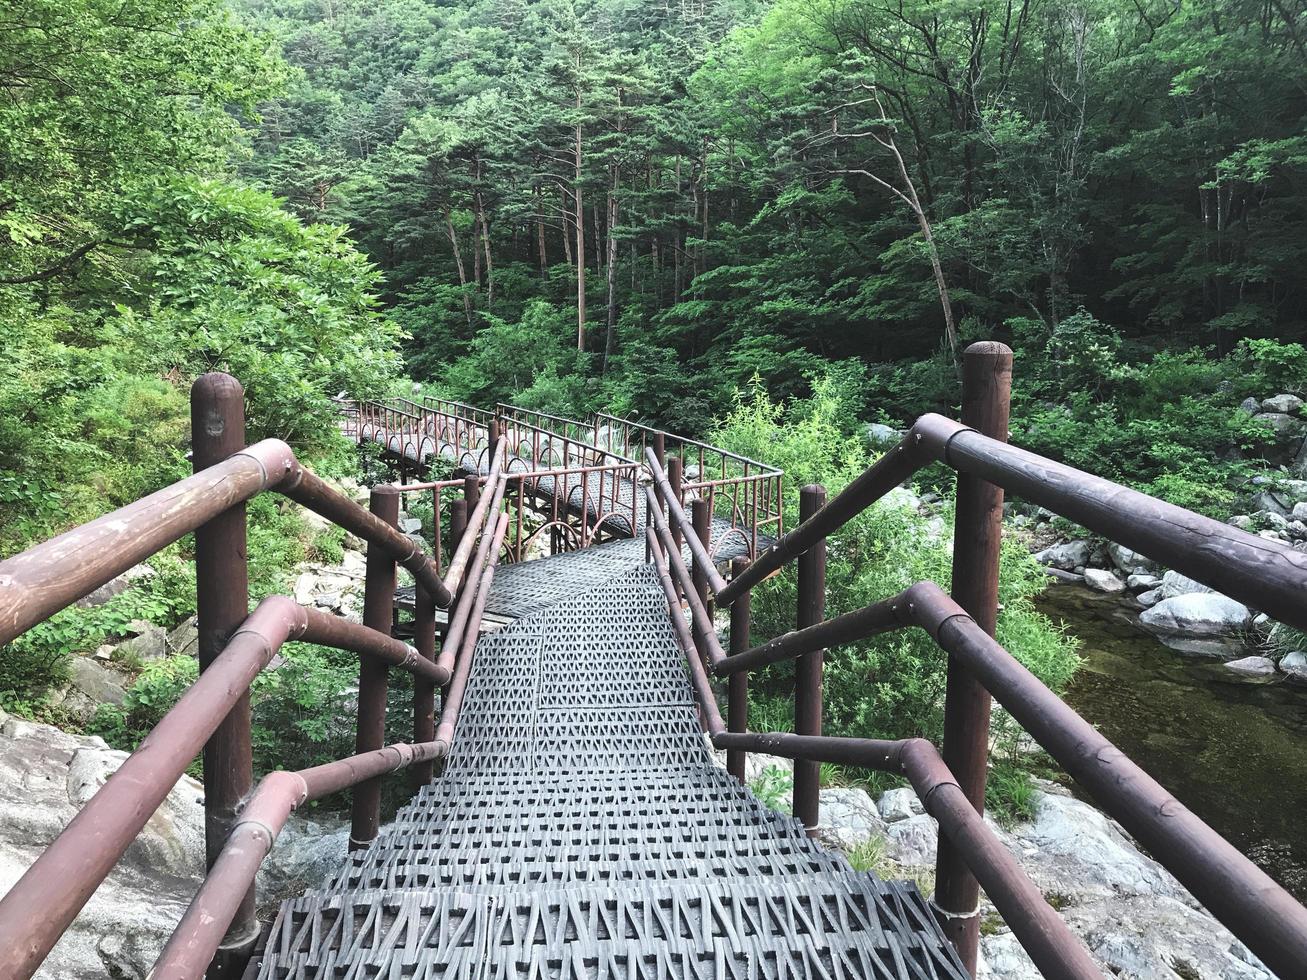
(1299, 512)
(1250, 405)
(99, 684)
(1271, 502)
(1101, 580)
(913, 842)
(879, 434)
(1150, 598)
(1173, 584)
(1068, 557)
(184, 639)
(1283, 426)
(1252, 667)
(115, 586)
(1142, 581)
(149, 643)
(847, 818)
(1205, 624)
(1128, 561)
(899, 804)
(1294, 666)
(1282, 404)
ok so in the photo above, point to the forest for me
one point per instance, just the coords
(768, 221)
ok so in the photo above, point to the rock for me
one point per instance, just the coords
(899, 804)
(184, 640)
(1002, 958)
(1242, 521)
(912, 842)
(1142, 581)
(900, 498)
(1130, 562)
(305, 583)
(410, 525)
(1250, 405)
(1270, 520)
(354, 562)
(149, 643)
(45, 777)
(1059, 577)
(115, 586)
(1173, 584)
(1282, 404)
(1271, 501)
(1206, 624)
(1295, 666)
(1150, 598)
(308, 851)
(847, 817)
(1299, 512)
(879, 434)
(1101, 580)
(100, 684)
(1068, 556)
(1297, 529)
(104, 651)
(1282, 425)
(1257, 667)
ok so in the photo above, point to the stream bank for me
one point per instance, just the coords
(1233, 752)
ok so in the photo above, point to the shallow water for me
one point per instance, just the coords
(1234, 753)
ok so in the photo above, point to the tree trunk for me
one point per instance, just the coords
(580, 239)
(612, 269)
(458, 264)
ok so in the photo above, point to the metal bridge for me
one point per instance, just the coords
(568, 820)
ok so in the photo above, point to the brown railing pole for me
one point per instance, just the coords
(222, 599)
(424, 691)
(660, 448)
(701, 516)
(737, 688)
(378, 607)
(808, 671)
(472, 490)
(977, 536)
(674, 478)
(492, 437)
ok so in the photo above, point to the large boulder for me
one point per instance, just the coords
(1205, 624)
(1101, 580)
(100, 685)
(1294, 666)
(1282, 404)
(913, 842)
(1128, 561)
(878, 434)
(847, 818)
(1069, 557)
(899, 804)
(1173, 584)
(115, 586)
(1252, 668)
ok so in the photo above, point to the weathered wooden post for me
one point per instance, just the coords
(977, 535)
(492, 440)
(222, 601)
(674, 478)
(737, 687)
(808, 670)
(471, 491)
(701, 518)
(660, 449)
(424, 690)
(378, 608)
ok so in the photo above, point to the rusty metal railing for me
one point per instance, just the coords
(1267, 574)
(234, 646)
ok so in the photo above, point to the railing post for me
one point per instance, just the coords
(978, 527)
(222, 601)
(701, 518)
(492, 440)
(378, 607)
(737, 687)
(471, 491)
(808, 670)
(424, 690)
(660, 449)
(674, 478)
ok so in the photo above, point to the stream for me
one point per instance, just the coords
(1233, 752)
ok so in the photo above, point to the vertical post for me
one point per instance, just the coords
(674, 478)
(222, 602)
(737, 686)
(471, 491)
(378, 606)
(701, 518)
(808, 670)
(458, 511)
(492, 440)
(978, 528)
(660, 449)
(424, 690)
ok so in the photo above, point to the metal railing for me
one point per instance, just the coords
(1267, 574)
(213, 714)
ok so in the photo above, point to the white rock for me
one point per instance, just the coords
(1129, 561)
(899, 804)
(1150, 598)
(115, 586)
(879, 434)
(1252, 666)
(1002, 958)
(912, 842)
(1173, 584)
(1206, 624)
(100, 684)
(1285, 426)
(847, 817)
(1299, 512)
(1284, 404)
(1068, 556)
(1101, 580)
(1250, 405)
(1143, 581)
(1295, 665)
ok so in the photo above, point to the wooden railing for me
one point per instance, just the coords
(234, 646)
(1267, 574)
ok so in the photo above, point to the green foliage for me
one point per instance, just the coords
(889, 686)
(772, 786)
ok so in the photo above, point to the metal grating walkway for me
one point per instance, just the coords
(581, 830)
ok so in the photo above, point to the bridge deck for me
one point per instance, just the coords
(581, 829)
